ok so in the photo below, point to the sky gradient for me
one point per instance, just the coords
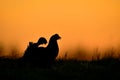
(86, 23)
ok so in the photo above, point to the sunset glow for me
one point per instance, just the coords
(84, 23)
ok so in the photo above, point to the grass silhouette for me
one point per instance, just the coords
(107, 67)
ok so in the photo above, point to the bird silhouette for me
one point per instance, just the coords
(42, 56)
(30, 52)
(47, 55)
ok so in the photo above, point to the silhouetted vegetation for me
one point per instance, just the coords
(62, 69)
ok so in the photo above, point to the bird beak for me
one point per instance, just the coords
(59, 37)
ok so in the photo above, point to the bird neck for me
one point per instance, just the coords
(52, 44)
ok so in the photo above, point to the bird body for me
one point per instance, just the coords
(30, 52)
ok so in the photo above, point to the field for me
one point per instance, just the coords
(70, 69)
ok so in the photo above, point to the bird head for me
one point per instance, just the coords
(42, 40)
(55, 37)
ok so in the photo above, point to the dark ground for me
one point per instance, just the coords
(105, 69)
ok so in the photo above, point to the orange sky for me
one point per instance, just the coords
(89, 23)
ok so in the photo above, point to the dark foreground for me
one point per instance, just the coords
(106, 69)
